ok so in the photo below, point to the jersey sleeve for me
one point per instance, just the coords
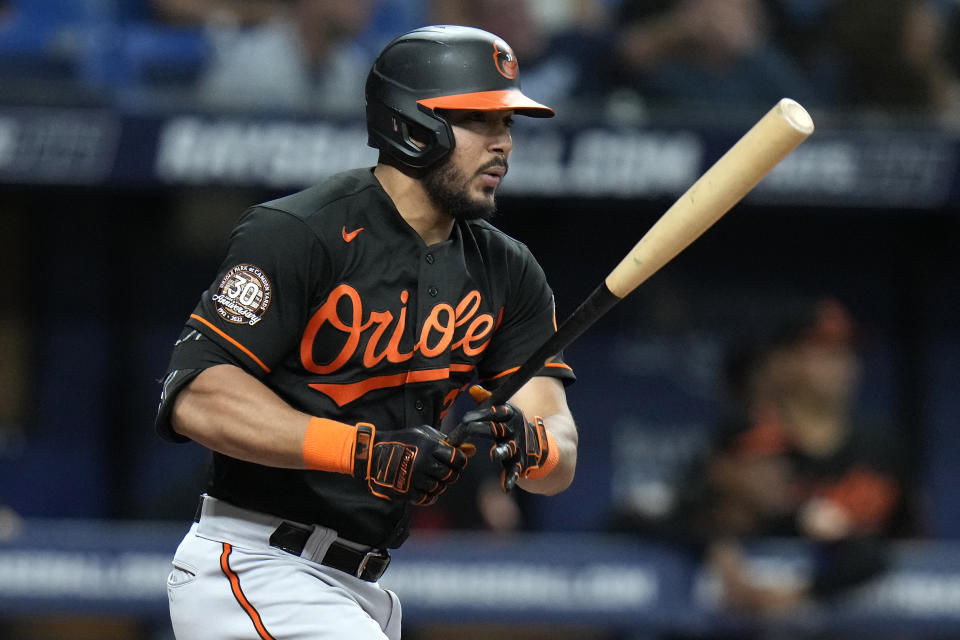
(528, 320)
(257, 304)
(192, 353)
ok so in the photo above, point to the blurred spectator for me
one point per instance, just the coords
(891, 57)
(300, 55)
(690, 53)
(189, 12)
(791, 458)
(565, 64)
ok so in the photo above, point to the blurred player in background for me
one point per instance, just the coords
(804, 464)
(791, 459)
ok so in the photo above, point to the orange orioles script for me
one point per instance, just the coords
(446, 328)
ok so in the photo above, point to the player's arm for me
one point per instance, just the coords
(243, 326)
(545, 397)
(231, 412)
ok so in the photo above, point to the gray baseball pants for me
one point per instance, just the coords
(228, 583)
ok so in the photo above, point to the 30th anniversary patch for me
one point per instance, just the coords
(243, 295)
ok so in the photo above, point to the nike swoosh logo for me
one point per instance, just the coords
(349, 236)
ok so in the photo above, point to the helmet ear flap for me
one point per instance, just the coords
(417, 140)
(423, 140)
(414, 136)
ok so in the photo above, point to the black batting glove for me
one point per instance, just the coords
(414, 464)
(519, 446)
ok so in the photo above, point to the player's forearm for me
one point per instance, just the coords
(545, 397)
(563, 432)
(229, 411)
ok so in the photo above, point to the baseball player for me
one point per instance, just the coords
(343, 323)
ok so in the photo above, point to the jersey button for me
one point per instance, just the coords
(418, 405)
(429, 258)
(433, 291)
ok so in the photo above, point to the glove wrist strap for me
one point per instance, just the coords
(363, 447)
(551, 461)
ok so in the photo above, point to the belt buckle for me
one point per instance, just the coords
(370, 555)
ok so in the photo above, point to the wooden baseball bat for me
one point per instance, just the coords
(724, 184)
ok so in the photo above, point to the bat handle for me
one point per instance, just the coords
(597, 304)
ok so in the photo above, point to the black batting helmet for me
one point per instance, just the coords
(439, 67)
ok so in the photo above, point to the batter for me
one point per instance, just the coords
(341, 326)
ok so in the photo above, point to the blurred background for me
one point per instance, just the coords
(768, 443)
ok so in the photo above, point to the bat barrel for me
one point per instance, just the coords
(724, 184)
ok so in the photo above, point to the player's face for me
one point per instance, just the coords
(465, 184)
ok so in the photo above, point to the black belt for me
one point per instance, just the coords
(366, 565)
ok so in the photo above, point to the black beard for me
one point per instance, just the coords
(446, 186)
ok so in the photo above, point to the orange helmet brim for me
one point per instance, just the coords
(490, 101)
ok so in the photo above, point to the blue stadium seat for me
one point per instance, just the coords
(46, 36)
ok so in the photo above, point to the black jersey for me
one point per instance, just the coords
(332, 300)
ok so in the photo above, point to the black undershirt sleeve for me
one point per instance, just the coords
(192, 353)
